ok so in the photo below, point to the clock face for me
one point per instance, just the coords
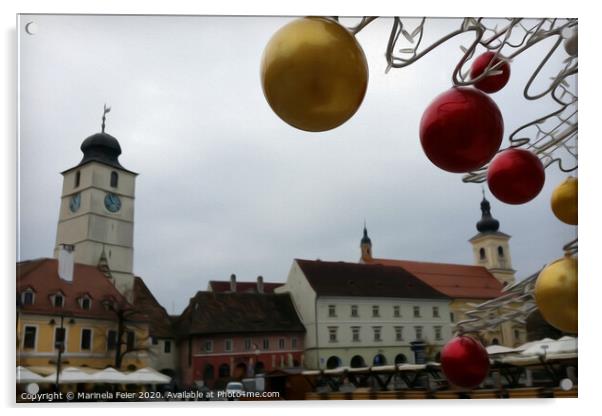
(112, 202)
(75, 202)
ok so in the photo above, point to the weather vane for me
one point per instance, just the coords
(104, 116)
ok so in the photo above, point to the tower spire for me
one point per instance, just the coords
(104, 116)
(487, 222)
(366, 246)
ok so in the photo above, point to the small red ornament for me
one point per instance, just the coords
(461, 130)
(516, 176)
(465, 361)
(491, 83)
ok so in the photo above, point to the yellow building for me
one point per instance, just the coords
(75, 312)
(468, 285)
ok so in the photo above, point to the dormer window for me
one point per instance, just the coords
(85, 303)
(27, 297)
(114, 179)
(58, 300)
(108, 303)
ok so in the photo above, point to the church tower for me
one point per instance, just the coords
(366, 247)
(97, 210)
(490, 246)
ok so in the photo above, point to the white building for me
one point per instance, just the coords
(361, 315)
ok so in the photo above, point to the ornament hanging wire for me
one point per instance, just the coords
(552, 137)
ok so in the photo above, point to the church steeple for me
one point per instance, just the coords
(366, 246)
(490, 246)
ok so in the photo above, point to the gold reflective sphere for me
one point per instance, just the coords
(556, 294)
(564, 201)
(314, 74)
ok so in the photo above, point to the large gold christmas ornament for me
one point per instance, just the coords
(556, 294)
(564, 201)
(314, 74)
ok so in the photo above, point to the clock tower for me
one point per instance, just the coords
(97, 210)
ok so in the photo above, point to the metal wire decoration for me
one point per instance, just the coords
(515, 304)
(552, 137)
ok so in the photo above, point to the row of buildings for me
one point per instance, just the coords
(85, 307)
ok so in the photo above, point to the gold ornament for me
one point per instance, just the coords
(564, 201)
(314, 74)
(556, 294)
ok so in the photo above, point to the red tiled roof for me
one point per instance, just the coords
(42, 276)
(145, 302)
(223, 313)
(455, 280)
(220, 286)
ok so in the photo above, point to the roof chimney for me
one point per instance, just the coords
(66, 262)
(259, 284)
(232, 283)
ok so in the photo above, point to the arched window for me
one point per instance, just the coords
(240, 370)
(208, 372)
(379, 359)
(500, 251)
(401, 359)
(259, 367)
(77, 178)
(482, 253)
(333, 362)
(114, 179)
(357, 361)
(224, 370)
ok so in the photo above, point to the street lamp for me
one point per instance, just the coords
(59, 345)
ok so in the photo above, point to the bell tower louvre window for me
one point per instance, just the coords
(114, 179)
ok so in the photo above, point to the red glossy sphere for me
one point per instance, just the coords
(465, 361)
(461, 130)
(491, 83)
(515, 176)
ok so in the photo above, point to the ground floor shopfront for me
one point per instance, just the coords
(214, 370)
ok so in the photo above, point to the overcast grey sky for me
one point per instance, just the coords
(225, 186)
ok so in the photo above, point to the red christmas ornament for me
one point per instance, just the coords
(491, 83)
(465, 361)
(461, 130)
(515, 176)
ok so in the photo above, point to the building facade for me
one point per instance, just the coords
(360, 315)
(228, 336)
(76, 318)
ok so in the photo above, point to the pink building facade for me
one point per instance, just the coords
(233, 357)
(230, 336)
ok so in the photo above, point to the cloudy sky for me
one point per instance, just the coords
(225, 186)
